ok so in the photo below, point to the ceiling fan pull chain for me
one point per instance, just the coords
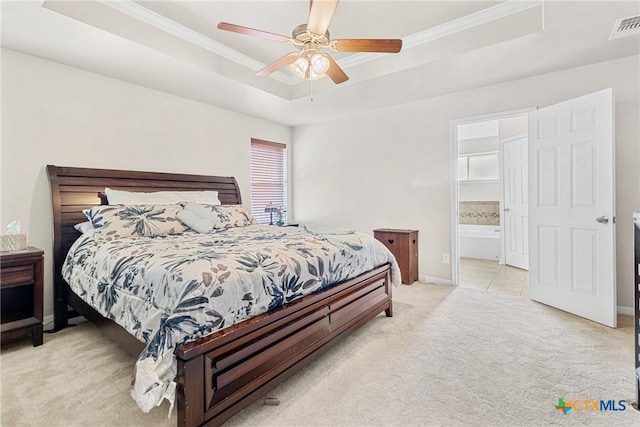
(311, 82)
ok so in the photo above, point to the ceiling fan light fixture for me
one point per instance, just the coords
(310, 66)
(319, 65)
(299, 67)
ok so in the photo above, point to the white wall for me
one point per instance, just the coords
(54, 114)
(513, 126)
(485, 191)
(391, 167)
(387, 168)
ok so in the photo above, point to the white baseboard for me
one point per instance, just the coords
(436, 280)
(626, 310)
(47, 322)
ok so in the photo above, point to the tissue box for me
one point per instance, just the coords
(13, 242)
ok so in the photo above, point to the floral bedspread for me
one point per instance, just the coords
(169, 290)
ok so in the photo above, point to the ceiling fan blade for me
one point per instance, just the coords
(336, 73)
(320, 14)
(252, 32)
(285, 60)
(367, 45)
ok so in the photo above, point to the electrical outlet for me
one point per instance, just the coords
(445, 258)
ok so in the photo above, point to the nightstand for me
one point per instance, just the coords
(21, 288)
(403, 244)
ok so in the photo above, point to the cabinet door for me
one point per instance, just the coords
(398, 244)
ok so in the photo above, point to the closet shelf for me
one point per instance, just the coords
(478, 181)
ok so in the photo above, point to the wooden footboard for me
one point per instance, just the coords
(221, 374)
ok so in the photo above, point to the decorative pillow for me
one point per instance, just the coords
(201, 218)
(230, 216)
(119, 197)
(135, 220)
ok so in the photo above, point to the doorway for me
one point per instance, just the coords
(489, 216)
(571, 212)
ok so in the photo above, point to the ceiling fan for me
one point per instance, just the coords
(310, 38)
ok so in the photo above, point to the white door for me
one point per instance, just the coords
(515, 202)
(571, 201)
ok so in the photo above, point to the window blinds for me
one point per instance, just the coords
(268, 178)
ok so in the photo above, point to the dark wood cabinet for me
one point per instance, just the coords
(21, 277)
(403, 244)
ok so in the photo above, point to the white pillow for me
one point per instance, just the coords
(84, 227)
(198, 218)
(120, 197)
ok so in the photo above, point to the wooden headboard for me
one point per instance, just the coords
(75, 189)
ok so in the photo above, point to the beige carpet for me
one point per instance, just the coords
(448, 357)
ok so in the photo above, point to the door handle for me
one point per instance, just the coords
(507, 209)
(602, 219)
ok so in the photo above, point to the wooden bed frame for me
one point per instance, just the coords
(220, 374)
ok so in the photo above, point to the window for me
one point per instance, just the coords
(268, 178)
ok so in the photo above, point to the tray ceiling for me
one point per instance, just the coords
(174, 46)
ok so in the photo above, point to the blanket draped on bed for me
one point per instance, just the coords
(170, 290)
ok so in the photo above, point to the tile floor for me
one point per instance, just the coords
(490, 276)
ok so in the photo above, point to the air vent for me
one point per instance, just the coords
(625, 27)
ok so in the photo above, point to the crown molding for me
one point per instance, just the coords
(502, 10)
(141, 13)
